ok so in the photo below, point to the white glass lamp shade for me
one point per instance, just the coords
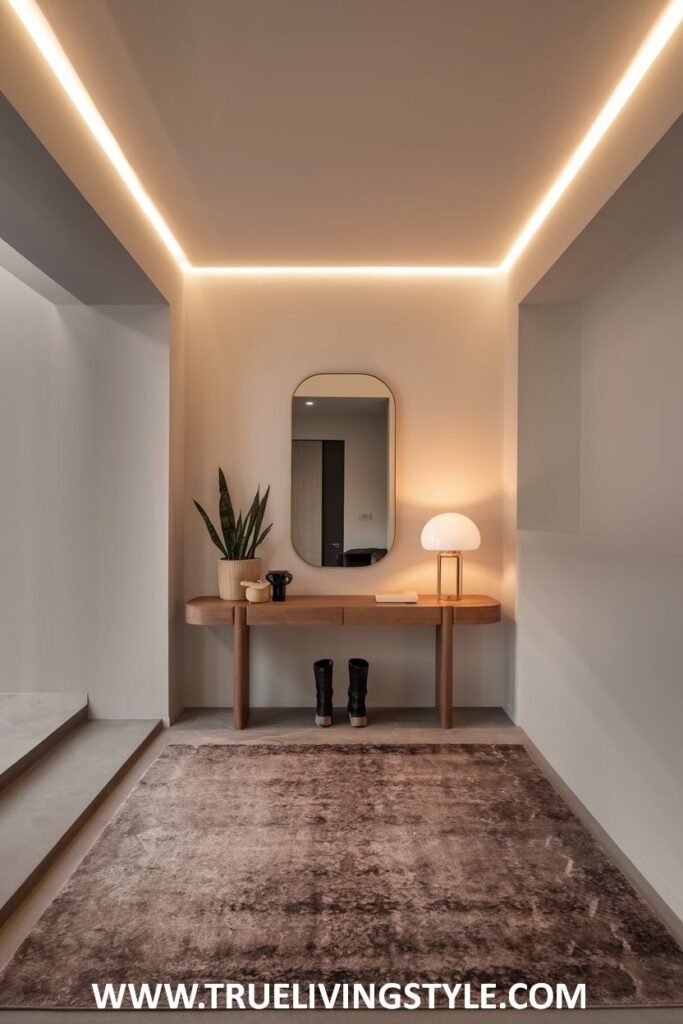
(450, 531)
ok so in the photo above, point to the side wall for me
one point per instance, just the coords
(648, 115)
(83, 521)
(439, 347)
(600, 595)
(30, 86)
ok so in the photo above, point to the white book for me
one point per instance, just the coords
(409, 597)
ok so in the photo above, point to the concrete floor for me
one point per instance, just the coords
(44, 807)
(287, 726)
(386, 725)
(30, 722)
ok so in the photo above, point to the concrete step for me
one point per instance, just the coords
(31, 723)
(43, 808)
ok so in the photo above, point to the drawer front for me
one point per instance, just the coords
(279, 613)
(392, 615)
(476, 616)
(211, 612)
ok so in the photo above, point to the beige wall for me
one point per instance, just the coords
(439, 348)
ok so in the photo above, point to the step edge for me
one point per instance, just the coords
(11, 904)
(42, 747)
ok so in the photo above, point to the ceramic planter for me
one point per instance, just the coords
(231, 574)
(256, 591)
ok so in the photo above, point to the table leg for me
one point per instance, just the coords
(240, 678)
(437, 674)
(445, 668)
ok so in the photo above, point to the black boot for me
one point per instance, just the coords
(358, 688)
(323, 688)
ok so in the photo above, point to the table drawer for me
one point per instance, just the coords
(209, 611)
(285, 613)
(391, 615)
(476, 616)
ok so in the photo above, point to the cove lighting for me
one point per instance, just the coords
(40, 31)
(651, 48)
(38, 27)
(350, 271)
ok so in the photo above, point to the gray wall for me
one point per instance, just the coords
(84, 511)
(600, 571)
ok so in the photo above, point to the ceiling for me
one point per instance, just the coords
(314, 132)
(340, 406)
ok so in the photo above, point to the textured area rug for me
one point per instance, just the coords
(346, 863)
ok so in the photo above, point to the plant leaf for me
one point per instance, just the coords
(251, 520)
(262, 538)
(258, 521)
(239, 538)
(227, 513)
(210, 527)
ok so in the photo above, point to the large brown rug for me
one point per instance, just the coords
(346, 863)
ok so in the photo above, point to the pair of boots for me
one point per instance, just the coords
(358, 688)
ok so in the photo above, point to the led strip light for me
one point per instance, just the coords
(344, 271)
(39, 29)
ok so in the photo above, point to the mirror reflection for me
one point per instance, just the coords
(343, 427)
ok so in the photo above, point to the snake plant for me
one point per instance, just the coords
(243, 535)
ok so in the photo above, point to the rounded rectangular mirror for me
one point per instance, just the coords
(343, 469)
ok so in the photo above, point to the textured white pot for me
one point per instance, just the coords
(231, 574)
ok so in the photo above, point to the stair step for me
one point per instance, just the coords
(31, 723)
(43, 808)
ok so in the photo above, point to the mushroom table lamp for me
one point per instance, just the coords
(450, 534)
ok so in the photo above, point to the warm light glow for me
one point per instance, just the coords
(642, 62)
(450, 531)
(350, 271)
(37, 26)
(40, 31)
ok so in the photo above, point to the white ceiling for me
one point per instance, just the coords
(348, 131)
(340, 406)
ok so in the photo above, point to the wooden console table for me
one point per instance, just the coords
(327, 610)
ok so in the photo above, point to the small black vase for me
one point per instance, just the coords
(280, 580)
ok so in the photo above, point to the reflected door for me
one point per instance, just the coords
(333, 503)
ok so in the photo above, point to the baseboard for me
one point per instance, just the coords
(173, 716)
(659, 907)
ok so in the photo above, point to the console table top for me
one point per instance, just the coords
(473, 609)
